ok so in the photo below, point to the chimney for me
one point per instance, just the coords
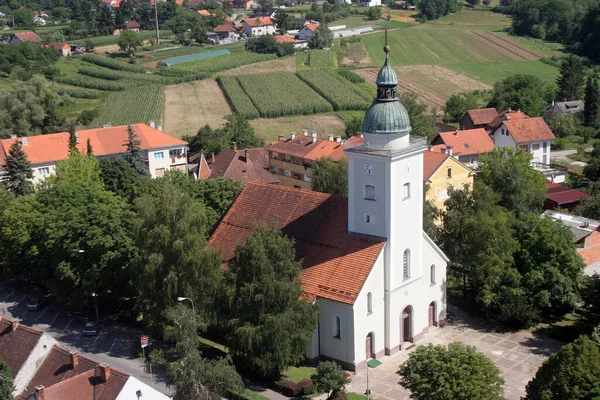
(234, 146)
(74, 358)
(443, 150)
(13, 136)
(430, 148)
(24, 141)
(293, 136)
(246, 156)
(152, 124)
(313, 134)
(330, 137)
(77, 137)
(449, 150)
(14, 325)
(39, 391)
(212, 158)
(338, 139)
(456, 132)
(362, 136)
(305, 132)
(103, 372)
(280, 138)
(552, 102)
(509, 110)
(159, 127)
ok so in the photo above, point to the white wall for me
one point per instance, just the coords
(501, 140)
(166, 162)
(339, 348)
(538, 154)
(34, 361)
(507, 141)
(133, 385)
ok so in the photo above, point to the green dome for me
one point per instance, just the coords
(387, 75)
(386, 118)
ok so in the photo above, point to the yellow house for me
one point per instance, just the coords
(441, 171)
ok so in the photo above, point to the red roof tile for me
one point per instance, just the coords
(132, 25)
(303, 146)
(260, 21)
(104, 141)
(506, 115)
(60, 46)
(335, 263)
(28, 37)
(529, 130)
(204, 13)
(284, 39)
(483, 116)
(224, 28)
(312, 27)
(467, 142)
(431, 162)
(567, 196)
(232, 164)
(15, 346)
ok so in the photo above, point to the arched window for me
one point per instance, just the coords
(406, 190)
(337, 328)
(370, 192)
(369, 303)
(406, 265)
(432, 274)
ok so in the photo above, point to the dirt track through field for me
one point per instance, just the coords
(506, 46)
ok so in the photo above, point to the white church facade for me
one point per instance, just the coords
(379, 280)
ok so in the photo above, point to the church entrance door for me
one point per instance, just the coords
(406, 325)
(432, 314)
(369, 346)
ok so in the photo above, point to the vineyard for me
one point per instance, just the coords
(144, 104)
(340, 92)
(282, 93)
(237, 98)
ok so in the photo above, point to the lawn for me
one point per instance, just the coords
(565, 329)
(473, 17)
(354, 396)
(493, 71)
(328, 123)
(248, 394)
(296, 374)
(541, 46)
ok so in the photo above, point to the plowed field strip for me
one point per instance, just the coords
(518, 51)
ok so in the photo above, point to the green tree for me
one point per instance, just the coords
(330, 378)
(374, 13)
(589, 208)
(591, 299)
(270, 324)
(192, 376)
(90, 151)
(591, 113)
(456, 372)
(23, 16)
(72, 139)
(199, 32)
(119, 177)
(592, 170)
(18, 170)
(569, 374)
(509, 173)
(563, 126)
(421, 121)
(129, 41)
(457, 105)
(321, 38)
(134, 155)
(6, 386)
(525, 92)
(170, 232)
(353, 126)
(236, 129)
(571, 79)
(330, 176)
(282, 20)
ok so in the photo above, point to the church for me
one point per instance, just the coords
(379, 280)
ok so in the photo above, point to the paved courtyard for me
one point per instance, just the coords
(518, 355)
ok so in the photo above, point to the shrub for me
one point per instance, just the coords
(291, 389)
(351, 76)
(330, 378)
(87, 116)
(80, 93)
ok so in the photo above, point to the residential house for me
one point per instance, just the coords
(508, 114)
(587, 237)
(133, 26)
(248, 165)
(444, 127)
(112, 3)
(288, 39)
(163, 152)
(243, 4)
(466, 145)
(265, 12)
(22, 37)
(258, 26)
(204, 13)
(474, 119)
(226, 30)
(290, 159)
(64, 48)
(563, 198)
(530, 134)
(564, 108)
(39, 21)
(371, 3)
(378, 280)
(307, 30)
(441, 172)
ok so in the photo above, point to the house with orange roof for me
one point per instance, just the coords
(307, 30)
(465, 145)
(64, 48)
(441, 171)
(481, 118)
(226, 30)
(508, 114)
(258, 26)
(243, 4)
(112, 3)
(22, 37)
(162, 151)
(377, 278)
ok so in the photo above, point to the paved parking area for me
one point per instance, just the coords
(517, 354)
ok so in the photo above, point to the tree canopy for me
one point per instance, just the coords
(455, 372)
(591, 112)
(6, 386)
(18, 170)
(330, 176)
(134, 155)
(321, 38)
(571, 79)
(129, 41)
(525, 92)
(330, 378)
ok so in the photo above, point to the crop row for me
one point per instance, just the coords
(282, 93)
(144, 104)
(351, 76)
(321, 59)
(112, 63)
(221, 63)
(113, 39)
(80, 93)
(340, 92)
(93, 83)
(239, 100)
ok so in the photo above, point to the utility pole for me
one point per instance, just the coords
(156, 20)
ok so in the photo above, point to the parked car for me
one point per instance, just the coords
(34, 304)
(91, 329)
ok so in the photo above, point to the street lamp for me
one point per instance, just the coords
(180, 299)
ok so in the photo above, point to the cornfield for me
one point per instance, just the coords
(93, 83)
(142, 105)
(282, 93)
(112, 63)
(340, 92)
(321, 59)
(238, 99)
(351, 76)
(80, 93)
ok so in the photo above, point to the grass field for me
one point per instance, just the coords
(491, 72)
(221, 63)
(323, 124)
(473, 17)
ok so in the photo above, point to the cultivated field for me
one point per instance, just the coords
(339, 91)
(189, 106)
(323, 124)
(286, 64)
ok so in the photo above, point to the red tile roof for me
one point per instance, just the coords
(60, 46)
(104, 141)
(467, 142)
(224, 28)
(203, 168)
(432, 160)
(28, 37)
(284, 39)
(15, 346)
(303, 146)
(132, 25)
(507, 115)
(483, 116)
(529, 130)
(312, 27)
(232, 164)
(566, 195)
(335, 263)
(204, 13)
(260, 21)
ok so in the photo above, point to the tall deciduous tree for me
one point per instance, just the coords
(591, 113)
(571, 79)
(129, 41)
(119, 177)
(18, 170)
(569, 374)
(525, 92)
(170, 231)
(456, 372)
(6, 384)
(270, 324)
(134, 155)
(321, 38)
(330, 176)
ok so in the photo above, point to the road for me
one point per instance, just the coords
(114, 345)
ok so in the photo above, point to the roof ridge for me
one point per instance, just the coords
(292, 189)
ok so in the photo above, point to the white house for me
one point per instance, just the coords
(370, 3)
(307, 30)
(530, 134)
(378, 279)
(39, 21)
(162, 151)
(258, 26)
